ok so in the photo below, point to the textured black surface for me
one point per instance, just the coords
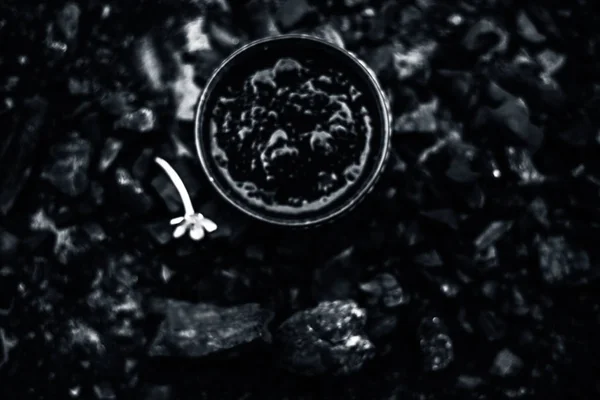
(474, 262)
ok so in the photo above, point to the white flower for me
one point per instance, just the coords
(196, 224)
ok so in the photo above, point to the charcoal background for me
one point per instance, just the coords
(484, 222)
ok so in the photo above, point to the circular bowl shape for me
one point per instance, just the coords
(263, 55)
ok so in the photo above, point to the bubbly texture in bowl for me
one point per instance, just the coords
(291, 138)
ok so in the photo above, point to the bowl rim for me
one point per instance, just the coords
(362, 191)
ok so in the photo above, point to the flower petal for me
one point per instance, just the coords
(180, 231)
(176, 221)
(208, 225)
(197, 232)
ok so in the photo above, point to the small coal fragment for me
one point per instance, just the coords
(292, 12)
(68, 169)
(512, 119)
(486, 37)
(8, 288)
(354, 3)
(8, 243)
(94, 232)
(79, 343)
(429, 259)
(456, 85)
(3, 348)
(151, 68)
(155, 392)
(468, 382)
(447, 286)
(492, 233)
(195, 330)
(18, 151)
(521, 164)
(385, 288)
(413, 63)
(538, 209)
(527, 29)
(336, 279)
(460, 171)
(329, 33)
(223, 38)
(109, 153)
(204, 63)
(550, 61)
(436, 346)
(515, 117)
(580, 133)
(132, 194)
(69, 242)
(68, 21)
(142, 120)
(380, 60)
(506, 364)
(104, 391)
(327, 338)
(562, 263)
(161, 232)
(443, 216)
(117, 103)
(142, 164)
(492, 326)
(262, 22)
(167, 191)
(423, 119)
(96, 193)
(187, 176)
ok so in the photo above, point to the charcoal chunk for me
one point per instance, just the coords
(109, 153)
(68, 169)
(79, 342)
(521, 164)
(196, 330)
(155, 392)
(3, 348)
(18, 151)
(142, 120)
(132, 194)
(167, 191)
(161, 232)
(330, 33)
(327, 338)
(506, 364)
(561, 262)
(486, 37)
(68, 21)
(104, 391)
(69, 242)
(222, 37)
(142, 164)
(492, 326)
(293, 12)
(527, 30)
(492, 233)
(436, 345)
(386, 289)
(445, 217)
(262, 22)
(8, 243)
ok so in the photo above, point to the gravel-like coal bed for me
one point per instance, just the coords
(293, 136)
(471, 271)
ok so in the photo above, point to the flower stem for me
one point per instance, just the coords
(179, 185)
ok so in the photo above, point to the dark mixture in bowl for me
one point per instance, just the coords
(293, 137)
